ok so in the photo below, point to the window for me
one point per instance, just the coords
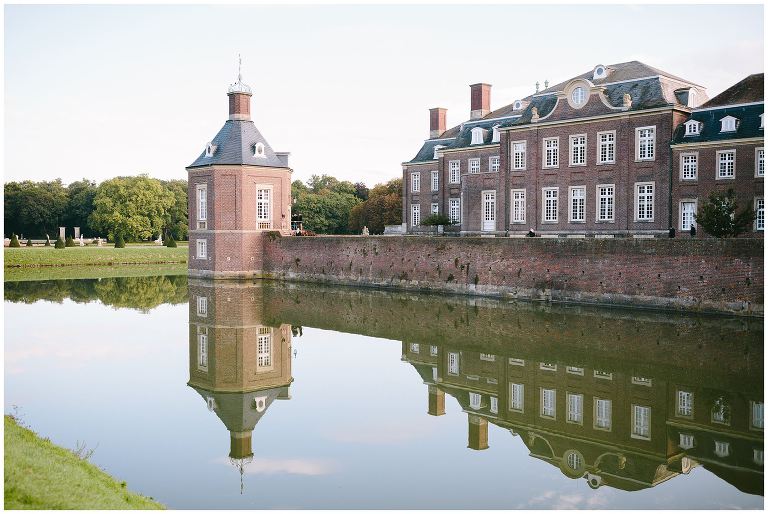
(518, 155)
(516, 362)
(478, 136)
(263, 209)
(760, 162)
(487, 357)
(434, 208)
(602, 414)
(602, 374)
(550, 204)
(761, 121)
(209, 149)
(726, 161)
(547, 366)
(202, 206)
(433, 350)
(722, 448)
(641, 422)
(689, 166)
(578, 150)
(642, 381)
(453, 363)
(687, 213)
(606, 148)
(575, 408)
(496, 134)
(455, 171)
(202, 249)
(494, 404)
(436, 149)
(757, 456)
(415, 182)
(578, 201)
(759, 213)
(454, 209)
(756, 415)
(692, 128)
(475, 400)
(687, 441)
(435, 180)
(258, 150)
(518, 206)
(644, 201)
(605, 202)
(415, 215)
(574, 370)
(645, 142)
(548, 403)
(414, 347)
(264, 348)
(202, 305)
(728, 124)
(516, 397)
(474, 166)
(721, 412)
(202, 348)
(494, 163)
(684, 403)
(578, 96)
(575, 461)
(551, 148)
(489, 210)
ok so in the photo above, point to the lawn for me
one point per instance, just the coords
(41, 475)
(93, 256)
(77, 272)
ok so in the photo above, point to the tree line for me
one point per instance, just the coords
(142, 208)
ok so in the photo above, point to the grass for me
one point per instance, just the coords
(76, 272)
(41, 475)
(93, 256)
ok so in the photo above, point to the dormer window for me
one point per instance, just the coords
(437, 149)
(518, 105)
(496, 134)
(692, 98)
(210, 148)
(478, 136)
(728, 124)
(599, 72)
(578, 95)
(692, 128)
(761, 120)
(258, 150)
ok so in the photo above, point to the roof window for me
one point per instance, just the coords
(210, 149)
(496, 134)
(728, 124)
(258, 150)
(692, 128)
(599, 72)
(437, 149)
(478, 136)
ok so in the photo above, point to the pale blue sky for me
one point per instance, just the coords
(99, 91)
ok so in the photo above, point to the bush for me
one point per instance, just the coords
(69, 242)
(119, 241)
(718, 216)
(170, 242)
(307, 233)
(59, 244)
(29, 241)
(436, 219)
(14, 241)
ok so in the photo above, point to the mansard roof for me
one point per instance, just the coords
(234, 145)
(749, 90)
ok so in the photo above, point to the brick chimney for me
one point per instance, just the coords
(478, 433)
(436, 121)
(239, 106)
(480, 100)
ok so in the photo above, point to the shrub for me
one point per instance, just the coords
(29, 241)
(14, 241)
(307, 233)
(59, 244)
(69, 242)
(170, 242)
(436, 219)
(718, 216)
(119, 241)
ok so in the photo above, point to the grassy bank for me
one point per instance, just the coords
(92, 256)
(77, 272)
(41, 475)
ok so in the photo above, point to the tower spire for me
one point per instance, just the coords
(239, 67)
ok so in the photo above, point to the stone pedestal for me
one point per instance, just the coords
(77, 232)
(63, 233)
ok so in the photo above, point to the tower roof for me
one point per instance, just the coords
(235, 144)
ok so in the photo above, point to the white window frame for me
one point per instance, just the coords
(729, 124)
(603, 375)
(759, 213)
(647, 142)
(573, 370)
(686, 441)
(201, 249)
(720, 416)
(436, 149)
(684, 403)
(516, 362)
(202, 349)
(432, 350)
(494, 164)
(516, 392)
(416, 182)
(454, 170)
(264, 222)
(610, 205)
(639, 414)
(454, 209)
(478, 136)
(548, 405)
(690, 126)
(519, 155)
(494, 407)
(488, 215)
(517, 206)
(651, 206)
(604, 423)
(496, 134)
(610, 147)
(760, 162)
(757, 456)
(453, 363)
(415, 214)
(202, 306)
(722, 449)
(555, 198)
(723, 164)
(690, 167)
(756, 415)
(487, 357)
(475, 400)
(642, 381)
(575, 408)
(415, 348)
(435, 180)
(552, 151)
(202, 205)
(681, 221)
(547, 366)
(264, 348)
(581, 217)
(434, 208)
(473, 166)
(573, 146)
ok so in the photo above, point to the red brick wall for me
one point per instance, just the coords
(717, 275)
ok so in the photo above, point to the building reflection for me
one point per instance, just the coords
(239, 363)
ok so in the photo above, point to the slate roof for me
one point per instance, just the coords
(751, 89)
(235, 142)
(747, 126)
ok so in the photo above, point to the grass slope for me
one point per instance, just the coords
(93, 256)
(41, 475)
(75, 272)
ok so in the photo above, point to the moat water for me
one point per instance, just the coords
(263, 396)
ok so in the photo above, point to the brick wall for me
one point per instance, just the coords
(702, 275)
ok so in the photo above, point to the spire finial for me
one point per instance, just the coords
(239, 67)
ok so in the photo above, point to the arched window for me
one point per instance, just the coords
(478, 136)
(210, 148)
(496, 134)
(258, 150)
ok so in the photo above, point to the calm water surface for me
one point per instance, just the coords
(227, 396)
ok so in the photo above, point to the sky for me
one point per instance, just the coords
(97, 91)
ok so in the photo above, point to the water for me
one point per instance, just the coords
(228, 396)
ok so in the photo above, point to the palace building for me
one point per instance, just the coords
(589, 156)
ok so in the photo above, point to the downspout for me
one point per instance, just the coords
(669, 202)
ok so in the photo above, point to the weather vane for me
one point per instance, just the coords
(239, 66)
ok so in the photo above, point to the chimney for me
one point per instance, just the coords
(240, 445)
(478, 433)
(436, 401)
(239, 105)
(480, 100)
(436, 121)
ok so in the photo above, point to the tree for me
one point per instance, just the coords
(14, 242)
(383, 207)
(436, 219)
(119, 241)
(34, 208)
(176, 221)
(325, 203)
(170, 242)
(718, 216)
(135, 208)
(29, 242)
(361, 191)
(59, 244)
(80, 196)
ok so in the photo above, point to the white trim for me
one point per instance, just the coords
(486, 120)
(524, 153)
(695, 202)
(754, 206)
(730, 106)
(470, 162)
(612, 218)
(570, 149)
(594, 119)
(717, 164)
(490, 164)
(598, 147)
(458, 171)
(544, 141)
(679, 81)
(512, 205)
(633, 433)
(434, 180)
(440, 139)
(544, 204)
(415, 182)
(683, 155)
(637, 144)
(637, 202)
(571, 219)
(757, 150)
